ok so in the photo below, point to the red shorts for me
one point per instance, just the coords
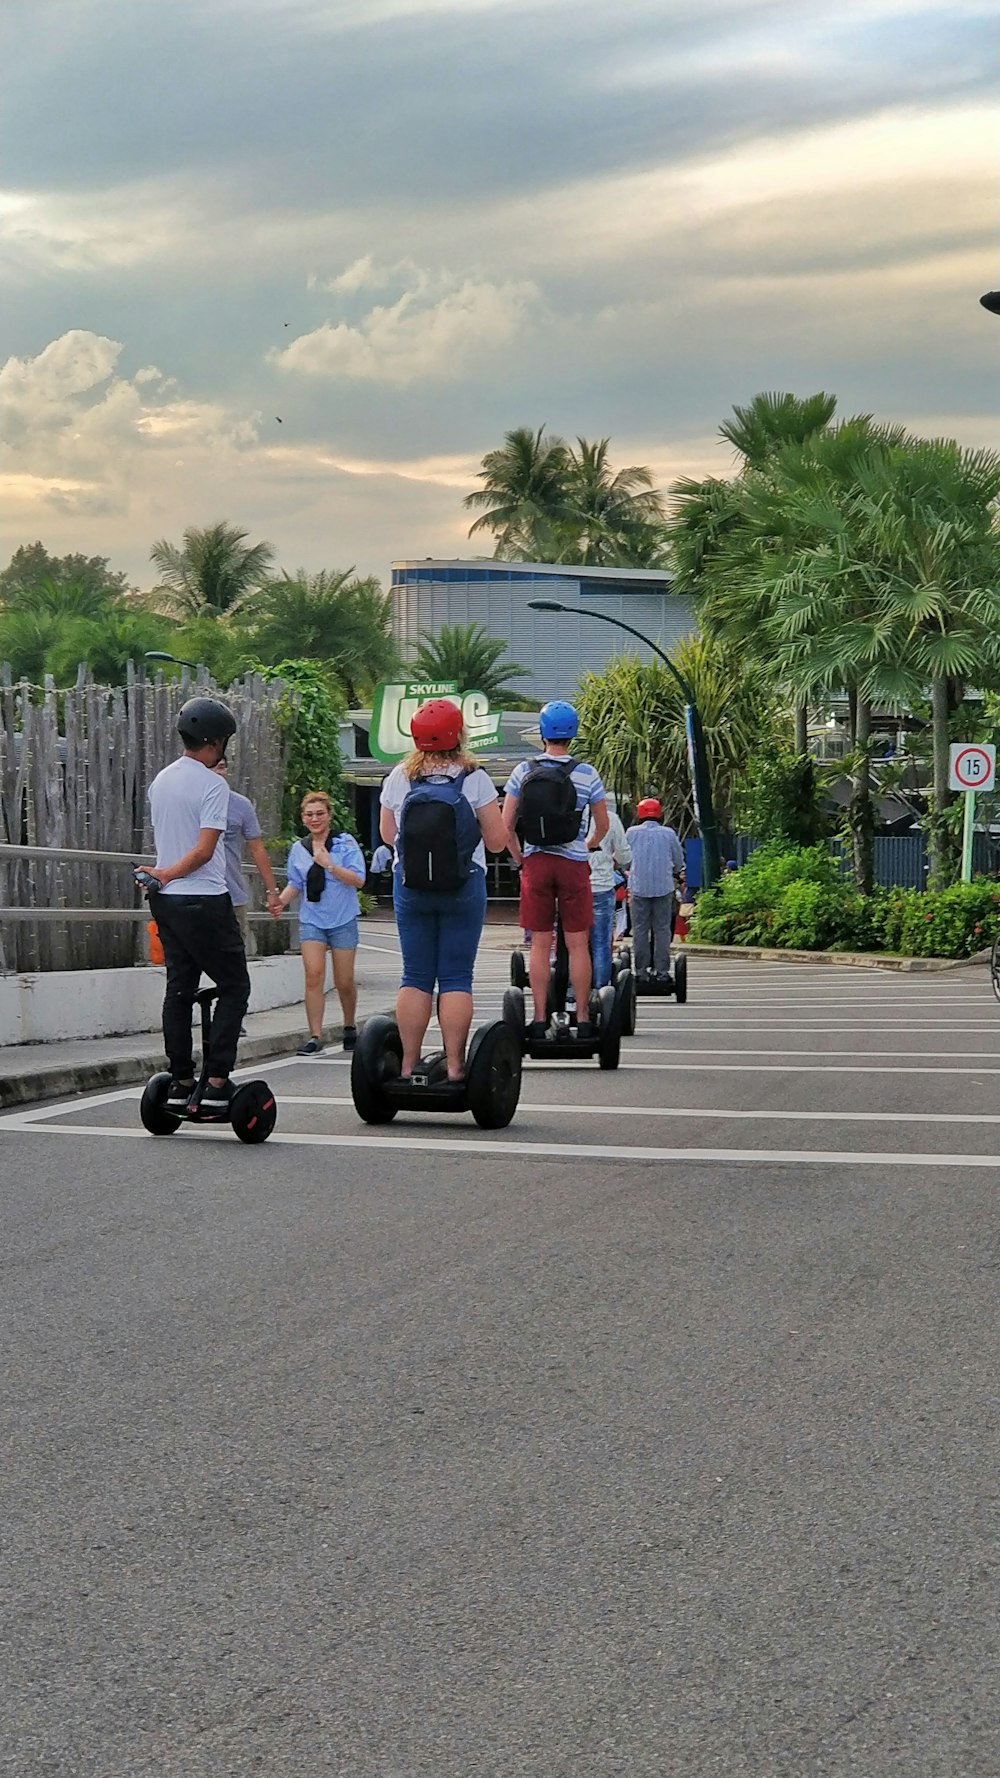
(548, 881)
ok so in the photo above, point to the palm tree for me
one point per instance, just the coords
(617, 517)
(214, 570)
(524, 499)
(331, 617)
(64, 600)
(772, 421)
(467, 655)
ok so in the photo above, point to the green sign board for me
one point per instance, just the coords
(392, 711)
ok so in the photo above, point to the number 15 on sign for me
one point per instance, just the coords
(972, 767)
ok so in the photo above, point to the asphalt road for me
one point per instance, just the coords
(655, 1435)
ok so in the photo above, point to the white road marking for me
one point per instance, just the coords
(770, 1067)
(774, 1117)
(405, 1142)
(690, 1050)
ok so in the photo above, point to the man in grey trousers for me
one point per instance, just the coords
(657, 870)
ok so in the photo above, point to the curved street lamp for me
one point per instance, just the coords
(701, 782)
(159, 654)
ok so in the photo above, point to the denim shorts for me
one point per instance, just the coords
(439, 933)
(339, 938)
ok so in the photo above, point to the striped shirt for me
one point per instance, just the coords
(589, 790)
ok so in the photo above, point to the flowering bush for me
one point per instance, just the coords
(798, 898)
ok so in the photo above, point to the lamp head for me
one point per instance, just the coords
(991, 301)
(546, 605)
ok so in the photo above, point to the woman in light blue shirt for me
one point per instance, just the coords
(328, 872)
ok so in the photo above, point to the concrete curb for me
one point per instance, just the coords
(846, 959)
(65, 1078)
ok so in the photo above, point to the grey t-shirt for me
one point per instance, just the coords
(184, 798)
(242, 825)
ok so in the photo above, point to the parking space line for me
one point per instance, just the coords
(405, 1142)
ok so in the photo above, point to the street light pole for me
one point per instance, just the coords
(701, 783)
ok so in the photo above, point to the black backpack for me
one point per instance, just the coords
(547, 809)
(438, 834)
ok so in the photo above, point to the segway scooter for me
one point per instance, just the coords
(609, 1011)
(490, 1090)
(675, 982)
(253, 1112)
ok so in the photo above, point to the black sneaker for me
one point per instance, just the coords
(213, 1106)
(537, 1030)
(584, 1031)
(313, 1047)
(178, 1094)
(350, 1037)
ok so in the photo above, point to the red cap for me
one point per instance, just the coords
(437, 726)
(650, 809)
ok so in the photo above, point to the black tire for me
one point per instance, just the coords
(625, 956)
(253, 1111)
(625, 992)
(155, 1119)
(513, 1014)
(494, 1076)
(518, 970)
(376, 1059)
(609, 1042)
(680, 978)
(995, 966)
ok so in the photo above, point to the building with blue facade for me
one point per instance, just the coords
(556, 648)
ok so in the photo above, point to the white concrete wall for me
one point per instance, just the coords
(118, 1002)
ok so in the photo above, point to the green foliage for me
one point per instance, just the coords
(31, 566)
(468, 655)
(632, 725)
(213, 570)
(778, 799)
(332, 617)
(312, 715)
(798, 898)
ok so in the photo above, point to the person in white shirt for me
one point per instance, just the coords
(613, 852)
(192, 908)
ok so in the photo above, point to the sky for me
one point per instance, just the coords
(298, 264)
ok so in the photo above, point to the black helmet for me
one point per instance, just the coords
(205, 719)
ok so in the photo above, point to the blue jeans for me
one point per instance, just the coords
(439, 933)
(601, 934)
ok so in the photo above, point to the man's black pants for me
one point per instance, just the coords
(200, 935)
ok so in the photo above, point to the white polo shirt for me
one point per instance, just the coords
(184, 798)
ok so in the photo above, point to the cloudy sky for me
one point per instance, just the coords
(404, 226)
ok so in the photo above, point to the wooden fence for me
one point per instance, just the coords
(75, 766)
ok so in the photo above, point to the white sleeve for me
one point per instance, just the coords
(215, 804)
(480, 789)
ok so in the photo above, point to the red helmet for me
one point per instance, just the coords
(437, 726)
(650, 809)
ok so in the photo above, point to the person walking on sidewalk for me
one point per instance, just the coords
(328, 872)
(553, 798)
(613, 855)
(657, 871)
(243, 826)
(198, 930)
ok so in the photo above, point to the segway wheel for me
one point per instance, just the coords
(609, 1041)
(518, 970)
(494, 1076)
(512, 1012)
(375, 1061)
(680, 978)
(253, 1111)
(152, 1107)
(625, 995)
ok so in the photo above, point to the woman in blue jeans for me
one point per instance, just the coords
(439, 929)
(614, 852)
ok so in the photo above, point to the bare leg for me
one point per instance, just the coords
(413, 1015)
(538, 973)
(455, 1016)
(578, 946)
(314, 964)
(343, 981)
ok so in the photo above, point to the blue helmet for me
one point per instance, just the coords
(558, 721)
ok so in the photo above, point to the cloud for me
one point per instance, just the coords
(420, 336)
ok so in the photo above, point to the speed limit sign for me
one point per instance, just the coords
(972, 765)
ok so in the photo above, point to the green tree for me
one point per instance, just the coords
(335, 618)
(312, 714)
(213, 571)
(31, 565)
(632, 725)
(107, 645)
(524, 497)
(616, 517)
(466, 654)
(26, 641)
